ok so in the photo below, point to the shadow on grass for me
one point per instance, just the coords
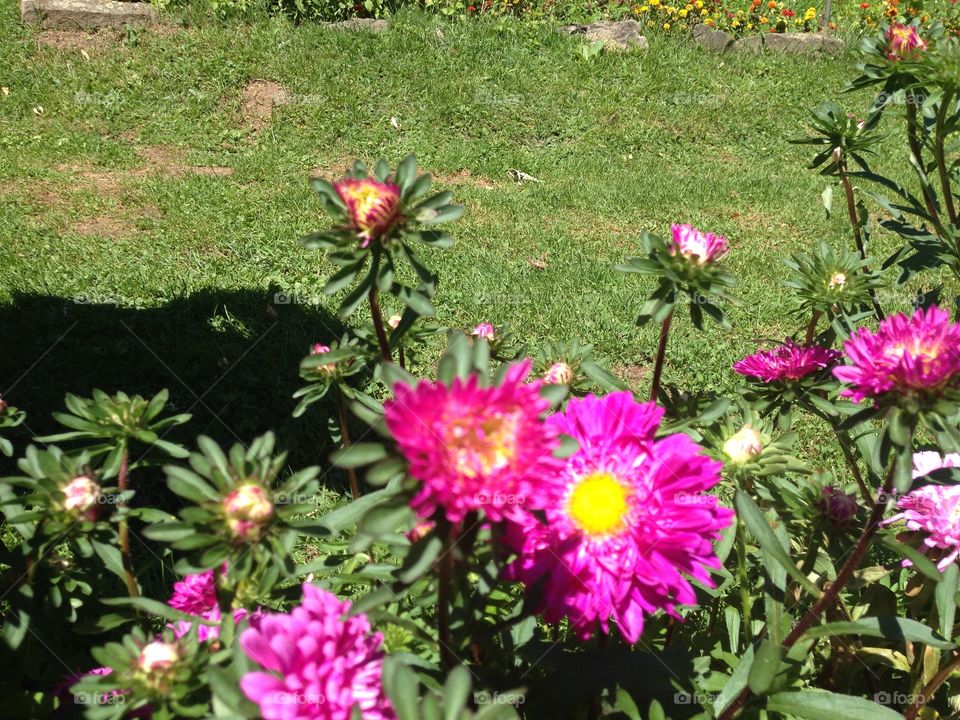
(229, 358)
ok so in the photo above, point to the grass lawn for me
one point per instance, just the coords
(149, 215)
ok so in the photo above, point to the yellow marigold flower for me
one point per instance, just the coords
(682, 13)
(650, 23)
(689, 7)
(699, 4)
(763, 20)
(666, 26)
(749, 26)
(810, 14)
(735, 23)
(703, 13)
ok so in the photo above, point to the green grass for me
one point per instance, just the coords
(192, 261)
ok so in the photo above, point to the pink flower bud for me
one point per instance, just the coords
(394, 322)
(743, 446)
(247, 509)
(696, 245)
(81, 496)
(484, 330)
(559, 374)
(319, 349)
(837, 507)
(373, 207)
(903, 42)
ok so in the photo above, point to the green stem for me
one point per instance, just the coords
(812, 327)
(939, 156)
(746, 603)
(129, 576)
(446, 531)
(916, 149)
(345, 441)
(855, 224)
(378, 325)
(661, 357)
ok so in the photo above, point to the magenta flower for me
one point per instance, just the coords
(197, 595)
(928, 461)
(474, 448)
(933, 511)
(903, 42)
(696, 245)
(786, 362)
(373, 207)
(321, 349)
(627, 517)
(484, 330)
(906, 354)
(320, 663)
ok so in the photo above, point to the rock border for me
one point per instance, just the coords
(86, 14)
(789, 43)
(616, 35)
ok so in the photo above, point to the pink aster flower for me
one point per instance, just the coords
(320, 663)
(321, 349)
(484, 330)
(628, 517)
(197, 595)
(373, 207)
(786, 362)
(928, 461)
(696, 245)
(933, 511)
(903, 42)
(906, 354)
(474, 448)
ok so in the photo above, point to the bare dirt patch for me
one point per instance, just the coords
(635, 375)
(259, 99)
(78, 39)
(464, 178)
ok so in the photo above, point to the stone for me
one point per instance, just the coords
(622, 35)
(711, 39)
(368, 24)
(86, 14)
(792, 43)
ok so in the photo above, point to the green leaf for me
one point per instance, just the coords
(825, 705)
(756, 522)
(358, 454)
(456, 691)
(402, 687)
(766, 664)
(946, 595)
(895, 629)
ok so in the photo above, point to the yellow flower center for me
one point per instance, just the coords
(479, 448)
(598, 504)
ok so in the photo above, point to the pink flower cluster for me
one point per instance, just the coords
(318, 663)
(905, 355)
(788, 361)
(197, 595)
(627, 516)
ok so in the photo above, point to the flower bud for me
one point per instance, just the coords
(319, 349)
(837, 155)
(559, 374)
(837, 281)
(696, 245)
(3, 405)
(394, 322)
(903, 42)
(81, 496)
(247, 509)
(837, 507)
(484, 330)
(158, 656)
(743, 446)
(373, 207)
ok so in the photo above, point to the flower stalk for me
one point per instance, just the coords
(377, 315)
(129, 577)
(661, 357)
